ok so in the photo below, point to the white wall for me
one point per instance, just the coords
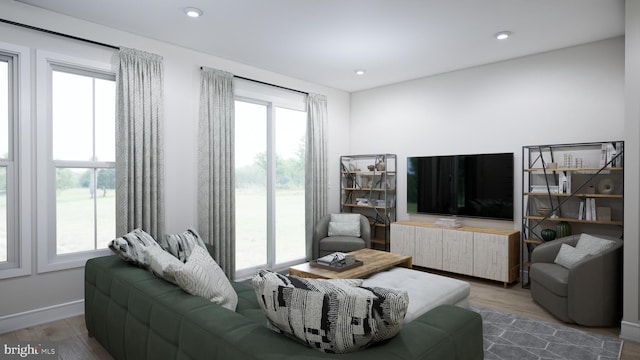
(23, 297)
(565, 96)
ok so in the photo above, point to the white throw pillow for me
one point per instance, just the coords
(344, 229)
(344, 225)
(345, 218)
(333, 316)
(593, 245)
(161, 261)
(568, 256)
(202, 276)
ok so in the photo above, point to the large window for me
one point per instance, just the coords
(14, 161)
(79, 163)
(269, 165)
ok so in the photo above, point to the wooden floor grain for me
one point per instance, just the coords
(74, 343)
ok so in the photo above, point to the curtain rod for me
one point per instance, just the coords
(58, 34)
(266, 83)
(118, 48)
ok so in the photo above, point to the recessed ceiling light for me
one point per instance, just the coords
(503, 35)
(193, 12)
(360, 71)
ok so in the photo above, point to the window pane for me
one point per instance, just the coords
(75, 210)
(72, 116)
(251, 186)
(3, 214)
(4, 109)
(290, 130)
(105, 120)
(105, 207)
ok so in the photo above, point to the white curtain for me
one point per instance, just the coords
(216, 183)
(315, 166)
(139, 143)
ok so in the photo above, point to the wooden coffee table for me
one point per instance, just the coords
(374, 261)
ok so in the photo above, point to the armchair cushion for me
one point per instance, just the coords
(344, 228)
(568, 256)
(593, 245)
(554, 277)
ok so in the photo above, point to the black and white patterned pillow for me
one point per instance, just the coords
(181, 245)
(133, 246)
(333, 316)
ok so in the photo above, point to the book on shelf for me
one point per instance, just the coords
(581, 211)
(603, 213)
(564, 182)
(590, 212)
(607, 155)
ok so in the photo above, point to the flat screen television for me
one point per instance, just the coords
(479, 185)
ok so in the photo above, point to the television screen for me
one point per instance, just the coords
(479, 185)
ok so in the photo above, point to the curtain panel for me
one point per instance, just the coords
(139, 143)
(315, 166)
(216, 179)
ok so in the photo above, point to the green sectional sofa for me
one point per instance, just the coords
(136, 315)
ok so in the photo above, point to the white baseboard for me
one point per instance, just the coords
(44, 315)
(630, 331)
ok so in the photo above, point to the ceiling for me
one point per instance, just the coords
(324, 41)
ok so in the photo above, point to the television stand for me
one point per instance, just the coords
(492, 254)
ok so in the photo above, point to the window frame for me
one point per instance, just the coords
(271, 97)
(48, 259)
(18, 165)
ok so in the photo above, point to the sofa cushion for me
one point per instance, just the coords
(568, 256)
(132, 247)
(181, 245)
(594, 245)
(333, 316)
(202, 276)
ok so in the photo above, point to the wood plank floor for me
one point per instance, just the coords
(73, 342)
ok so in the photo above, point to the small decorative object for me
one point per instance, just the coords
(544, 211)
(568, 160)
(563, 229)
(371, 167)
(605, 186)
(603, 213)
(380, 163)
(349, 259)
(548, 234)
(578, 163)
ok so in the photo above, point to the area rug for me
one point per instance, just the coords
(513, 337)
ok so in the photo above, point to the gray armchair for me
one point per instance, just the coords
(323, 244)
(589, 294)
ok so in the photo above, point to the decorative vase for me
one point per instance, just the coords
(563, 229)
(548, 234)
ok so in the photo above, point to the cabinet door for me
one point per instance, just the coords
(491, 256)
(457, 251)
(403, 239)
(428, 251)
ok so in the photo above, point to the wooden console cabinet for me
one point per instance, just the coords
(492, 254)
